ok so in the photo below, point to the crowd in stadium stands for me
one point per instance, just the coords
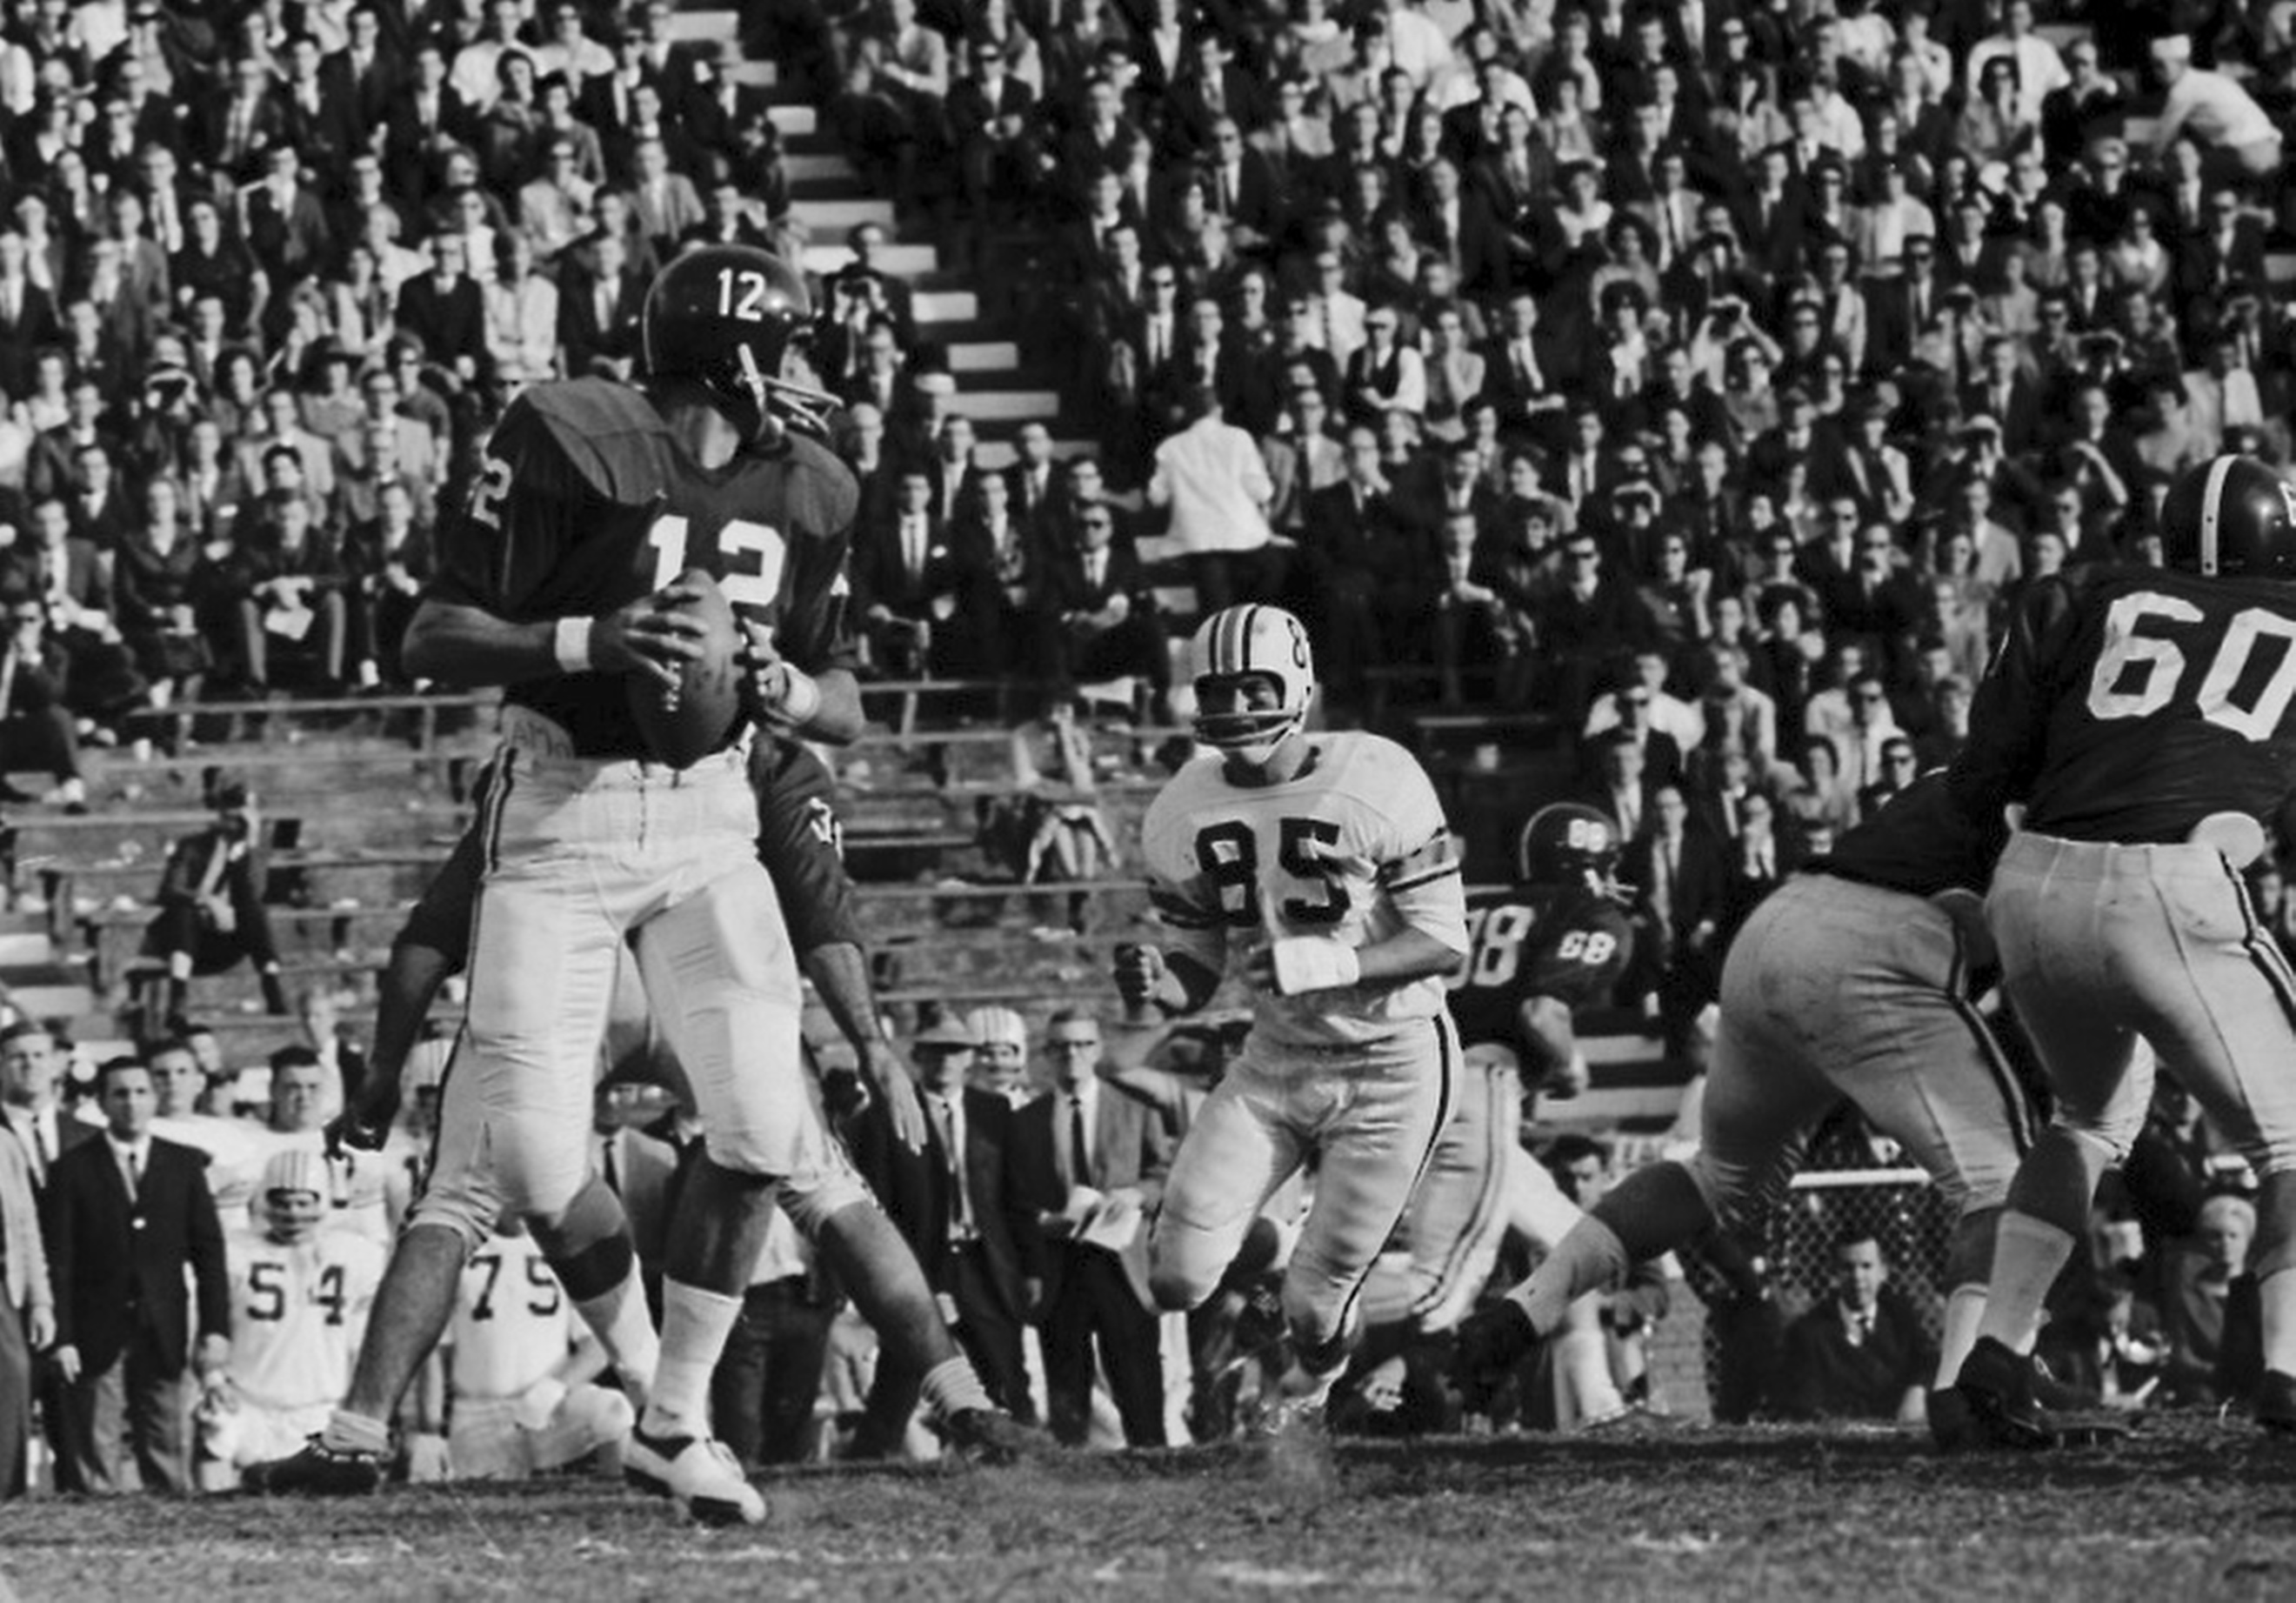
(1700, 378)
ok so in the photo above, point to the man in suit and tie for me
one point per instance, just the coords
(1678, 872)
(598, 307)
(30, 1067)
(1616, 786)
(128, 1216)
(1098, 616)
(905, 580)
(957, 1204)
(28, 315)
(1087, 1157)
(28, 1310)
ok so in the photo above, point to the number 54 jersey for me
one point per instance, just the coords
(1354, 847)
(2126, 704)
(584, 501)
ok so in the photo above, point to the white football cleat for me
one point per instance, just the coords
(699, 1471)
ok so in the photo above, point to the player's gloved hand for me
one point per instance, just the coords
(538, 1402)
(364, 1126)
(889, 1079)
(652, 638)
(1492, 1342)
(426, 1459)
(1139, 973)
(780, 692)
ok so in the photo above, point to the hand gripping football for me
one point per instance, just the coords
(683, 726)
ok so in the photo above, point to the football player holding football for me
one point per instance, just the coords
(567, 577)
(1855, 978)
(1328, 860)
(2145, 720)
(299, 1295)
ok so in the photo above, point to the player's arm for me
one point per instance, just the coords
(1419, 875)
(431, 946)
(528, 504)
(801, 680)
(800, 843)
(2009, 717)
(1576, 969)
(1180, 975)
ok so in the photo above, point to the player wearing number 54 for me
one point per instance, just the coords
(126, 1217)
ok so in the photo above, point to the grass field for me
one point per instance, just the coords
(2187, 1509)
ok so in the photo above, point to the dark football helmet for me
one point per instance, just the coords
(1567, 843)
(2231, 514)
(732, 318)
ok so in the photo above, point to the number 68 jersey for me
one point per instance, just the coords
(1354, 847)
(584, 501)
(1567, 943)
(2126, 704)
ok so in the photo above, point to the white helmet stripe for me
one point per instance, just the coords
(2212, 495)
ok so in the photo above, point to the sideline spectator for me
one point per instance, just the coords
(1859, 1354)
(211, 913)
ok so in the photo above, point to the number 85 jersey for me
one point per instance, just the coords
(1354, 847)
(584, 501)
(2126, 704)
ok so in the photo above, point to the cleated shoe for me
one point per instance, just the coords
(316, 1470)
(698, 1472)
(984, 1435)
(1997, 1386)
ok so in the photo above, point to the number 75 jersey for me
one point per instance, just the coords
(1355, 847)
(584, 501)
(2126, 704)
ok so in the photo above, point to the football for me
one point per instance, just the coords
(684, 726)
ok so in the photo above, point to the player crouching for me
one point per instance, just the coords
(299, 1295)
(520, 1370)
(1329, 859)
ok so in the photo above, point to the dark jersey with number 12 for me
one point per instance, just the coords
(586, 501)
(1568, 942)
(2126, 704)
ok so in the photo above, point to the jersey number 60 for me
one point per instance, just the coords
(2136, 674)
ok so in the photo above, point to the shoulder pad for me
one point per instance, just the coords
(605, 431)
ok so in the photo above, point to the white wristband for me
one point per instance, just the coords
(1305, 962)
(572, 643)
(801, 696)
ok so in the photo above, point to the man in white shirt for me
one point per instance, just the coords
(2215, 108)
(29, 1064)
(1212, 477)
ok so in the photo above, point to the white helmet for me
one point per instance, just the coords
(297, 1189)
(1250, 639)
(998, 1027)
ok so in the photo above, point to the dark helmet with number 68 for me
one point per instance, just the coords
(732, 319)
(1568, 843)
(2230, 515)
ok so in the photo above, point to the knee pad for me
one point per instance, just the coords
(467, 1202)
(1176, 1280)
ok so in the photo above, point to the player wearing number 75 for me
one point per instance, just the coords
(1327, 859)
(567, 581)
(2142, 719)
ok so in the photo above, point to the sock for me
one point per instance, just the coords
(618, 1318)
(348, 1432)
(1589, 1257)
(694, 1326)
(1582, 1364)
(2028, 1255)
(953, 1387)
(1964, 1306)
(2276, 1292)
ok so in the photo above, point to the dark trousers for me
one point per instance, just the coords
(40, 742)
(761, 1396)
(15, 1402)
(137, 1396)
(990, 1333)
(1097, 1300)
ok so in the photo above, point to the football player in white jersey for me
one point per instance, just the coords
(520, 1370)
(299, 1294)
(1328, 861)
